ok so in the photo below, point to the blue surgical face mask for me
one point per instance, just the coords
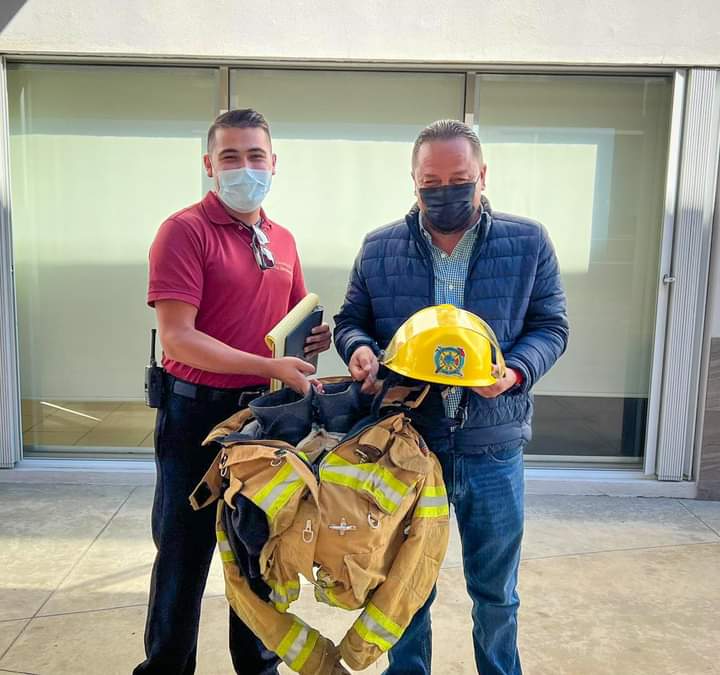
(243, 190)
(449, 208)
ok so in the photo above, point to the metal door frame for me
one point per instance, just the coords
(10, 414)
(688, 275)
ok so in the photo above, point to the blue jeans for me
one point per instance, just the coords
(487, 493)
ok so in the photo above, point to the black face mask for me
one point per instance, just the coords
(449, 208)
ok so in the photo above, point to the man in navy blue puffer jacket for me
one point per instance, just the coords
(452, 248)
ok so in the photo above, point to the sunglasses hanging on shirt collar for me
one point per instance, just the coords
(259, 244)
(263, 255)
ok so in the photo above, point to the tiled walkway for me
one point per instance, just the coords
(609, 586)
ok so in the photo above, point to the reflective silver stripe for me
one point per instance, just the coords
(284, 595)
(266, 503)
(296, 647)
(432, 501)
(374, 627)
(377, 482)
(226, 553)
(278, 599)
(322, 595)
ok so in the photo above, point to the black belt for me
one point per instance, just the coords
(202, 392)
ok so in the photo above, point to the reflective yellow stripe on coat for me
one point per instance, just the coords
(433, 503)
(226, 554)
(282, 595)
(327, 596)
(297, 644)
(278, 491)
(376, 628)
(374, 479)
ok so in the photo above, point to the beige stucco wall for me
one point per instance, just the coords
(647, 32)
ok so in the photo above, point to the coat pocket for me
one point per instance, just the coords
(365, 572)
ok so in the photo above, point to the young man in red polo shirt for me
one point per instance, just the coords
(221, 276)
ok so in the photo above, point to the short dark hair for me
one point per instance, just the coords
(443, 130)
(243, 118)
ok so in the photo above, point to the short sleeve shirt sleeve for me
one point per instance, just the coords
(176, 264)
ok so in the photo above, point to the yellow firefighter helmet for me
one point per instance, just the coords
(445, 345)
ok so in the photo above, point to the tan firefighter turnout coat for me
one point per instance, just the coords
(368, 528)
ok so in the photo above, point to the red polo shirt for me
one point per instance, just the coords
(202, 256)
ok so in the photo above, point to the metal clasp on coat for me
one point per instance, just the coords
(223, 464)
(307, 534)
(278, 459)
(373, 521)
(362, 455)
(343, 527)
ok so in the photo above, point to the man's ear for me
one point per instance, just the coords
(483, 174)
(208, 166)
(274, 163)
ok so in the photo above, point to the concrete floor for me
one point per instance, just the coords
(608, 585)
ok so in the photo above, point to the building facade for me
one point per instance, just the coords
(601, 122)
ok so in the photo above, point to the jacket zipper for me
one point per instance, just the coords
(425, 248)
(462, 413)
(482, 236)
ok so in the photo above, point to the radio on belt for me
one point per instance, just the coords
(153, 378)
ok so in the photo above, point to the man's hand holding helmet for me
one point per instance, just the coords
(505, 380)
(364, 366)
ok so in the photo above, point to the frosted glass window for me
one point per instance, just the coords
(587, 157)
(344, 141)
(100, 156)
